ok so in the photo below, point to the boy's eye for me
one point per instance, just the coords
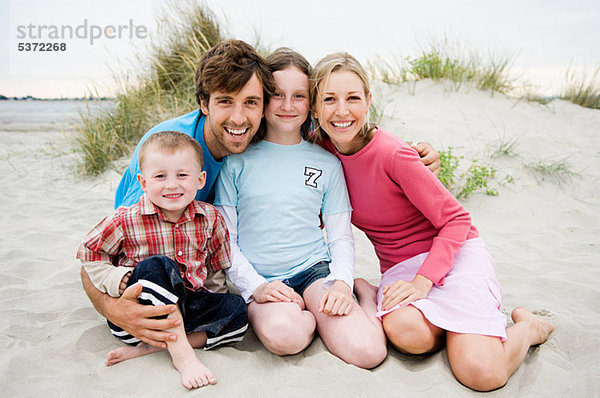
(159, 176)
(182, 175)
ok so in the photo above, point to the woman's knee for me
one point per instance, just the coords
(412, 334)
(477, 372)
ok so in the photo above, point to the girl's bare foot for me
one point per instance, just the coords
(365, 291)
(124, 353)
(542, 327)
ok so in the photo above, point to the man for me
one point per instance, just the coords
(233, 84)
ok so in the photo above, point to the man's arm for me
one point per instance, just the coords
(133, 317)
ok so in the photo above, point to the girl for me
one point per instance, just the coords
(438, 278)
(272, 196)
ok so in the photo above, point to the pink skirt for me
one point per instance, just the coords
(467, 302)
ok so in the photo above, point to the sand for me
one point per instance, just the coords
(543, 235)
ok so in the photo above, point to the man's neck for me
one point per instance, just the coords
(215, 148)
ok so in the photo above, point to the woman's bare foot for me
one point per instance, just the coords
(124, 353)
(193, 372)
(543, 328)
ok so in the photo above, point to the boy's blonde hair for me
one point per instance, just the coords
(320, 76)
(169, 142)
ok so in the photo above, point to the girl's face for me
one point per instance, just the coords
(341, 109)
(289, 107)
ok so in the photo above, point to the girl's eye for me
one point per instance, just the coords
(328, 99)
(277, 95)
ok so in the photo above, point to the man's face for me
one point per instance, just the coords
(233, 118)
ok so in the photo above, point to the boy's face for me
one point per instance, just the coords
(232, 119)
(171, 180)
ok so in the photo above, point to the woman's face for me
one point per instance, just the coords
(289, 107)
(341, 109)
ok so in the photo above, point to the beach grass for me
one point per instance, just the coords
(581, 89)
(161, 89)
(449, 61)
(558, 172)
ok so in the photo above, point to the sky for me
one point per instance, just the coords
(542, 38)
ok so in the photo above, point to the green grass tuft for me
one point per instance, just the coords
(557, 172)
(584, 90)
(163, 88)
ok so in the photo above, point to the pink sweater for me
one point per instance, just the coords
(402, 207)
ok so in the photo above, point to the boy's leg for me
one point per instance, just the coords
(162, 284)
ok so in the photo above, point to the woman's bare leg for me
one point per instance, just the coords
(485, 363)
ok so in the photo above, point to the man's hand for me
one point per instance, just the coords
(277, 291)
(429, 156)
(136, 319)
(403, 292)
(337, 300)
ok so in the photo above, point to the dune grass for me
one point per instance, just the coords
(557, 172)
(162, 88)
(445, 60)
(582, 90)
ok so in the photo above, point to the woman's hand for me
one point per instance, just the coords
(277, 291)
(337, 300)
(403, 292)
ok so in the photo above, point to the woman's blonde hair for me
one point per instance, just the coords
(319, 77)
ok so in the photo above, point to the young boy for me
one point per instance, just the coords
(167, 243)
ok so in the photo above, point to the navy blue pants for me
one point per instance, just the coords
(223, 316)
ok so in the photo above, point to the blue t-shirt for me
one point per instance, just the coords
(129, 190)
(279, 191)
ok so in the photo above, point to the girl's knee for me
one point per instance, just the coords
(285, 334)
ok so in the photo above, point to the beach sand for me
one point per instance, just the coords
(544, 237)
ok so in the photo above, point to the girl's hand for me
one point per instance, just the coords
(403, 293)
(337, 300)
(123, 284)
(277, 291)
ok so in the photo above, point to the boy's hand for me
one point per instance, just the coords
(429, 156)
(123, 284)
(337, 300)
(136, 319)
(277, 291)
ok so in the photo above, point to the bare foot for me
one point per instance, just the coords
(543, 328)
(364, 290)
(193, 372)
(124, 353)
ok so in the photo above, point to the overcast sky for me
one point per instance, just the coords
(543, 37)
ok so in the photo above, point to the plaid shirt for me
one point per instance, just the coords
(198, 242)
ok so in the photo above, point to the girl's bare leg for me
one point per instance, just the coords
(356, 338)
(411, 333)
(485, 363)
(283, 328)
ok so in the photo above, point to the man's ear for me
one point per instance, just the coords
(204, 107)
(142, 181)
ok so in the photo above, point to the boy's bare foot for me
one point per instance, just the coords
(193, 372)
(124, 353)
(543, 327)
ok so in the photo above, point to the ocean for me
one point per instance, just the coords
(43, 116)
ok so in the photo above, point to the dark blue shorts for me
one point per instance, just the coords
(302, 280)
(223, 316)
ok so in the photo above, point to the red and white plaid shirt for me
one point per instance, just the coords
(198, 242)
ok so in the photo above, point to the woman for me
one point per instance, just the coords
(438, 279)
(272, 197)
